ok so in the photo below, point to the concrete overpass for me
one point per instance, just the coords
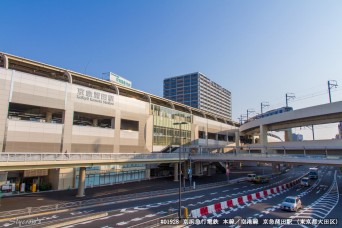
(320, 114)
(27, 161)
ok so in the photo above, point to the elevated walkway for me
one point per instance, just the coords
(323, 155)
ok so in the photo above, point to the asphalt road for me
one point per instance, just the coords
(320, 201)
(131, 213)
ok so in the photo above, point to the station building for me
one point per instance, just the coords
(47, 109)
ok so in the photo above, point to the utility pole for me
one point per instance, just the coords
(289, 96)
(241, 118)
(264, 105)
(331, 84)
(249, 111)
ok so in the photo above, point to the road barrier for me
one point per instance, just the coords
(217, 207)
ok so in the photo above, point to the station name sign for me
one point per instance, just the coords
(95, 96)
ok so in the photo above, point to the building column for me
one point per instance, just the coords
(237, 138)
(175, 172)
(209, 170)
(6, 77)
(263, 138)
(197, 170)
(48, 117)
(185, 170)
(275, 167)
(148, 173)
(95, 122)
(81, 182)
(288, 135)
(112, 123)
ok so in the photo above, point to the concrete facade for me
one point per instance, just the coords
(53, 104)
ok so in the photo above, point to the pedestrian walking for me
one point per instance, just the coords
(66, 154)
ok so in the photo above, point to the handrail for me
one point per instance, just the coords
(44, 157)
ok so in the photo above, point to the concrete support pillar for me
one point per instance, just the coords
(175, 172)
(81, 182)
(288, 135)
(253, 139)
(263, 138)
(185, 169)
(48, 117)
(198, 168)
(112, 123)
(95, 122)
(209, 170)
(148, 173)
(275, 167)
(237, 138)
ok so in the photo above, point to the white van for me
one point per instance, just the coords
(251, 177)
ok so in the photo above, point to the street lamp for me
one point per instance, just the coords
(180, 168)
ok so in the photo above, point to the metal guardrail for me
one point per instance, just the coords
(29, 157)
(267, 155)
(112, 199)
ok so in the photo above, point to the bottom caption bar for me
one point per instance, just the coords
(249, 221)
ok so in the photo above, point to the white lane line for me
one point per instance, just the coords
(136, 219)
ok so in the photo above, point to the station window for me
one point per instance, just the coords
(211, 135)
(87, 119)
(34, 113)
(130, 125)
(221, 137)
(201, 134)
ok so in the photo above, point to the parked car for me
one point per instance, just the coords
(291, 203)
(261, 180)
(251, 176)
(305, 182)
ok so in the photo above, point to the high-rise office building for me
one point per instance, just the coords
(198, 91)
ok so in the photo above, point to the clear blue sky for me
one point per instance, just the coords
(259, 50)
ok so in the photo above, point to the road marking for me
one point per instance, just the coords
(213, 193)
(121, 223)
(136, 219)
(161, 212)
(140, 208)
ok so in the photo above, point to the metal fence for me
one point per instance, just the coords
(28, 157)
